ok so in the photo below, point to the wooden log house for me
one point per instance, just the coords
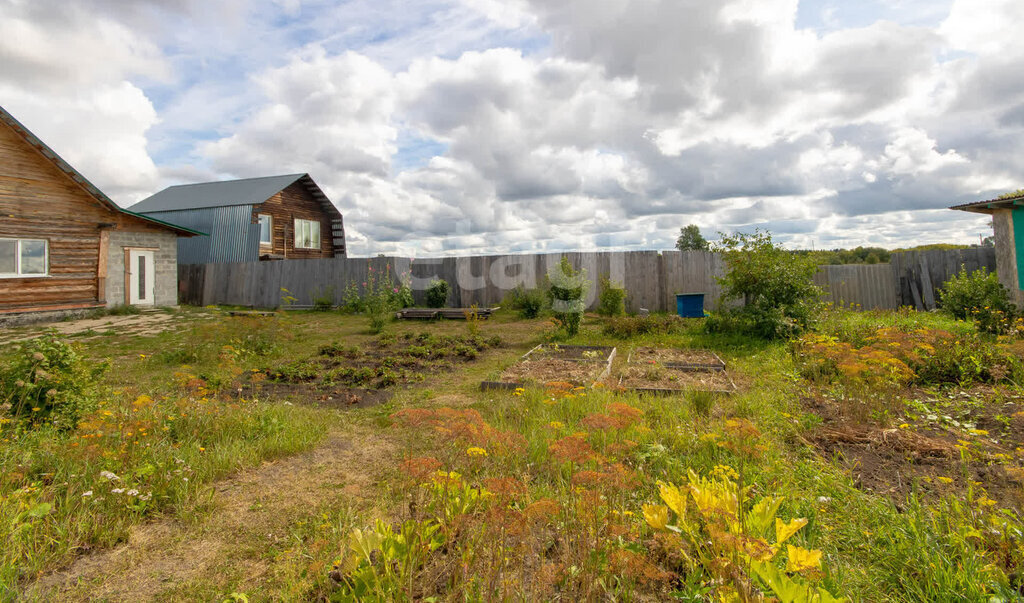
(65, 246)
(268, 218)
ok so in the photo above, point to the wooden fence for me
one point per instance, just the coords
(652, 278)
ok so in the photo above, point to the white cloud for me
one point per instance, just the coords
(478, 125)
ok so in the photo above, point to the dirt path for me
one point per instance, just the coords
(252, 513)
(149, 322)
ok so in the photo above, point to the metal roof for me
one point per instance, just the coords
(987, 207)
(81, 180)
(248, 191)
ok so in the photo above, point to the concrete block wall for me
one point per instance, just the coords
(165, 265)
(1007, 262)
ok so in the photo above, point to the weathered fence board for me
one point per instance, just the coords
(651, 278)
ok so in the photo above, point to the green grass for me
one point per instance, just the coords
(592, 543)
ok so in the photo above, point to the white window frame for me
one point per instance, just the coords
(305, 229)
(17, 259)
(270, 229)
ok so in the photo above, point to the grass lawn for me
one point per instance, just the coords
(299, 457)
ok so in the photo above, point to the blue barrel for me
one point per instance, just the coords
(690, 305)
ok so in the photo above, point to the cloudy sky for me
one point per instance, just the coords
(463, 126)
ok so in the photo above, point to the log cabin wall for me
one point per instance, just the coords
(39, 201)
(294, 202)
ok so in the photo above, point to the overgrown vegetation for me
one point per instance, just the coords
(437, 293)
(528, 303)
(980, 297)
(83, 460)
(611, 298)
(323, 299)
(566, 289)
(48, 382)
(879, 457)
(626, 327)
(777, 288)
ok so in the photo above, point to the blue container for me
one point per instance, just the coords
(690, 305)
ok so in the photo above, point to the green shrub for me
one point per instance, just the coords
(611, 299)
(323, 299)
(382, 299)
(49, 381)
(625, 327)
(437, 293)
(777, 287)
(980, 297)
(352, 302)
(529, 303)
(566, 295)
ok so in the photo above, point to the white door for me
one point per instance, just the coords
(140, 277)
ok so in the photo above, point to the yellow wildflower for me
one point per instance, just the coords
(656, 516)
(801, 559)
(476, 451)
(784, 530)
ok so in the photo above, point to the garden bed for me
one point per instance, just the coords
(581, 365)
(346, 372)
(683, 359)
(655, 379)
(586, 353)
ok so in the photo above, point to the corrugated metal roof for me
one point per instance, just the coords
(248, 191)
(78, 178)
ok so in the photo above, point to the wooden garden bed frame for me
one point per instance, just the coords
(718, 365)
(536, 350)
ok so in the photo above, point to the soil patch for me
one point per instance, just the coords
(327, 397)
(676, 357)
(594, 353)
(925, 454)
(346, 370)
(659, 377)
(547, 370)
(148, 322)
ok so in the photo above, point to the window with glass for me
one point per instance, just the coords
(307, 234)
(23, 257)
(266, 229)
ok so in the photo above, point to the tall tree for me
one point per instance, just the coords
(690, 239)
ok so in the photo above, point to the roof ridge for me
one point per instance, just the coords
(297, 176)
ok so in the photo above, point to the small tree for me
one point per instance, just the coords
(566, 293)
(437, 293)
(777, 287)
(611, 299)
(690, 239)
(978, 296)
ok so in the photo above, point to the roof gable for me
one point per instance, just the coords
(248, 191)
(91, 189)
